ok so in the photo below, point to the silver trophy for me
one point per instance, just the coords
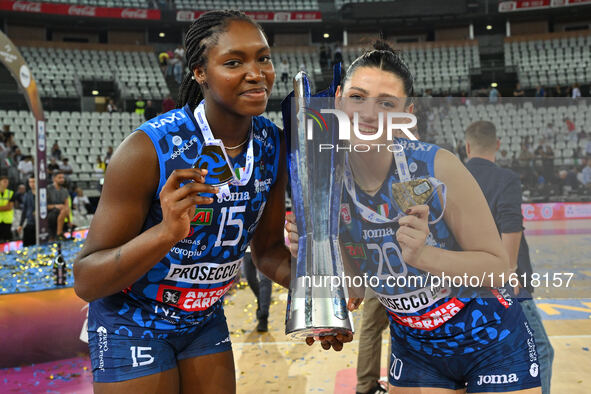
(317, 299)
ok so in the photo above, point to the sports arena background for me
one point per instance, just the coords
(103, 67)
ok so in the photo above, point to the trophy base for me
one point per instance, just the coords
(316, 309)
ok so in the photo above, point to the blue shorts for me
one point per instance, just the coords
(115, 358)
(508, 365)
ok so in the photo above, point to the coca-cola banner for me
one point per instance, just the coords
(79, 10)
(528, 5)
(261, 16)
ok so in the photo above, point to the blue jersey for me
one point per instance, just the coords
(186, 287)
(420, 313)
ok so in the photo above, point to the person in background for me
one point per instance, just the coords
(65, 167)
(108, 156)
(19, 196)
(25, 167)
(374, 322)
(150, 111)
(111, 107)
(284, 71)
(81, 202)
(168, 104)
(58, 205)
(56, 152)
(100, 165)
(493, 95)
(518, 91)
(502, 190)
(53, 166)
(576, 92)
(586, 174)
(6, 210)
(28, 215)
(140, 106)
(262, 287)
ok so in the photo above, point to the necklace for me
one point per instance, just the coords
(237, 146)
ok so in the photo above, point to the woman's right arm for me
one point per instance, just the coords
(116, 253)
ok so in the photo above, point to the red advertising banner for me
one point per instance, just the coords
(261, 16)
(79, 10)
(528, 5)
(556, 211)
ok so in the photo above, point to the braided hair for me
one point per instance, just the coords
(202, 34)
(384, 58)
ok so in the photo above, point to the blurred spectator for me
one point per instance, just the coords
(65, 167)
(571, 129)
(108, 156)
(56, 152)
(140, 106)
(504, 160)
(284, 71)
(177, 71)
(493, 95)
(58, 205)
(100, 165)
(28, 215)
(576, 92)
(568, 179)
(53, 166)
(150, 111)
(588, 147)
(540, 92)
(545, 152)
(168, 104)
(18, 196)
(81, 202)
(163, 60)
(557, 92)
(518, 91)
(25, 168)
(111, 107)
(6, 210)
(17, 155)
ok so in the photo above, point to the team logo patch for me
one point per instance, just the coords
(356, 251)
(193, 300)
(177, 140)
(346, 213)
(171, 297)
(534, 370)
(412, 167)
(202, 217)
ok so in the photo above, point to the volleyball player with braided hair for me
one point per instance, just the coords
(183, 197)
(411, 211)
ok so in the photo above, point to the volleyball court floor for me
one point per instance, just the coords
(270, 363)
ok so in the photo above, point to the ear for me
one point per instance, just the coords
(411, 108)
(467, 148)
(337, 97)
(199, 74)
(498, 145)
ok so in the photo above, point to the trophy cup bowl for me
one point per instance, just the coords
(317, 299)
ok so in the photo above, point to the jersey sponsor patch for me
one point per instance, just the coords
(413, 301)
(191, 300)
(356, 251)
(203, 272)
(432, 319)
(202, 217)
(501, 299)
(345, 213)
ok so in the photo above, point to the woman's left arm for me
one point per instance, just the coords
(469, 218)
(269, 252)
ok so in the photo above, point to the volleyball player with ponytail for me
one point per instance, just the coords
(414, 212)
(172, 225)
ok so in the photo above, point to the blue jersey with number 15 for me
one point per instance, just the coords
(187, 285)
